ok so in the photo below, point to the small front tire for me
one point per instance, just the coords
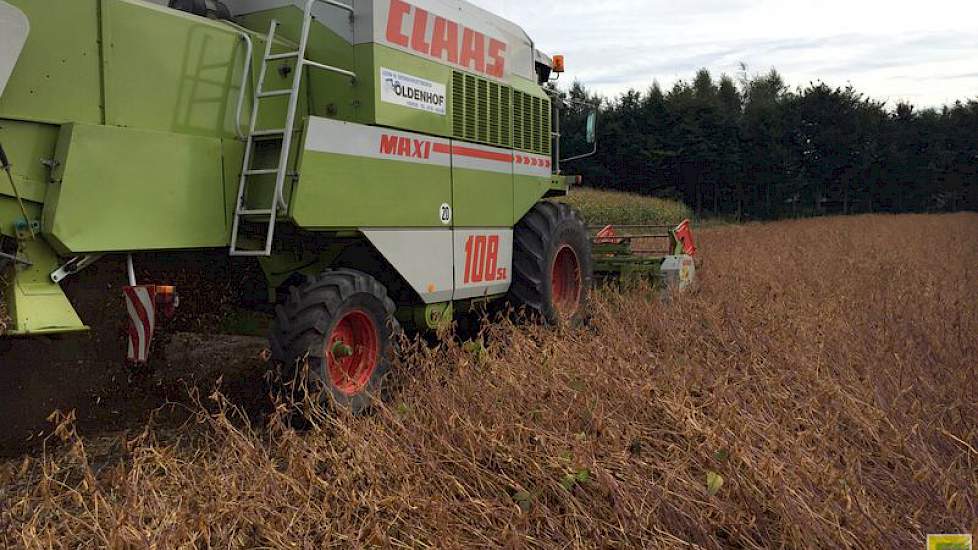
(342, 325)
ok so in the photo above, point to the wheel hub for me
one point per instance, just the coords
(352, 352)
(566, 283)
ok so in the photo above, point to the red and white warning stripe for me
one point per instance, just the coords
(141, 305)
(528, 164)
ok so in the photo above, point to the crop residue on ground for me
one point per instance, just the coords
(816, 391)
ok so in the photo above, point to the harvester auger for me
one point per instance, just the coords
(386, 163)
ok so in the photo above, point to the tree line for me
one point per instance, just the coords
(757, 149)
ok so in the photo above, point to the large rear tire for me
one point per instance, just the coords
(552, 266)
(342, 325)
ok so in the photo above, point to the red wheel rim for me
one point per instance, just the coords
(566, 282)
(351, 352)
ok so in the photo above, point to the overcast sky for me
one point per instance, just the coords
(925, 52)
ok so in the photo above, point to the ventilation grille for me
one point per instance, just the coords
(471, 118)
(546, 128)
(458, 100)
(481, 110)
(492, 113)
(531, 123)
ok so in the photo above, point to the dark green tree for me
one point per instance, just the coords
(755, 149)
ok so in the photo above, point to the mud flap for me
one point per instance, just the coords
(35, 304)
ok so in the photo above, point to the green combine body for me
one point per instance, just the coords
(123, 130)
(408, 143)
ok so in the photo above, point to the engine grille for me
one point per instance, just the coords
(487, 112)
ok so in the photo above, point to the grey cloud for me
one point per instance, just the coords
(879, 47)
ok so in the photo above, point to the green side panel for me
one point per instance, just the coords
(330, 95)
(482, 199)
(339, 191)
(35, 304)
(370, 59)
(27, 144)
(278, 76)
(57, 77)
(233, 153)
(165, 70)
(117, 189)
(528, 191)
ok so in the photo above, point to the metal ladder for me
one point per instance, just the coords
(284, 134)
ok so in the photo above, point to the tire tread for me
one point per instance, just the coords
(533, 236)
(302, 320)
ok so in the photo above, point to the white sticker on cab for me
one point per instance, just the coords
(412, 92)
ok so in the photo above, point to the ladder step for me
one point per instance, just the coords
(265, 133)
(286, 55)
(271, 214)
(248, 253)
(259, 212)
(274, 93)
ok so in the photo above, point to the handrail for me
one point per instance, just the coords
(340, 5)
(249, 53)
(315, 65)
(337, 70)
(245, 78)
(294, 99)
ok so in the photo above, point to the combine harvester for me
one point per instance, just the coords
(385, 162)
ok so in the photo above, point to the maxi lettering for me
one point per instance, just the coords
(405, 147)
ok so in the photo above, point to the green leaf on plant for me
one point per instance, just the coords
(722, 455)
(523, 499)
(568, 482)
(477, 349)
(714, 482)
(473, 346)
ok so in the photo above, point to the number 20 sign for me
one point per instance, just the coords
(482, 260)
